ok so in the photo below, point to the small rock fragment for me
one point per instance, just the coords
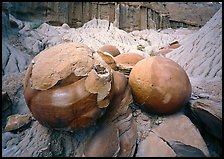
(17, 121)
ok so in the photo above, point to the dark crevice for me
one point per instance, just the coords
(17, 64)
(126, 130)
(136, 150)
(100, 70)
(108, 27)
(8, 57)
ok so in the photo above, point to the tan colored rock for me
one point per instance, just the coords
(178, 127)
(164, 51)
(128, 59)
(100, 84)
(154, 146)
(160, 85)
(59, 64)
(17, 121)
(122, 97)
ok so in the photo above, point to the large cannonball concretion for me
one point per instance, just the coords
(160, 85)
(67, 86)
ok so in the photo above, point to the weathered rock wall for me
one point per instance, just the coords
(126, 16)
(190, 13)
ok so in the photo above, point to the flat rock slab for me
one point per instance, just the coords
(154, 146)
(178, 127)
(174, 128)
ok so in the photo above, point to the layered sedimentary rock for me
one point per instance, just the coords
(128, 16)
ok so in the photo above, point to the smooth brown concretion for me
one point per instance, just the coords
(160, 85)
(65, 106)
(110, 49)
(67, 87)
(128, 59)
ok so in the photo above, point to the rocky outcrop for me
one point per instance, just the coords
(128, 16)
(14, 60)
(187, 14)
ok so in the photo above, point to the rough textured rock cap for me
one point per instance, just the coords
(58, 62)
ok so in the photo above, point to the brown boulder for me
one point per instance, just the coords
(128, 59)
(178, 127)
(110, 49)
(70, 88)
